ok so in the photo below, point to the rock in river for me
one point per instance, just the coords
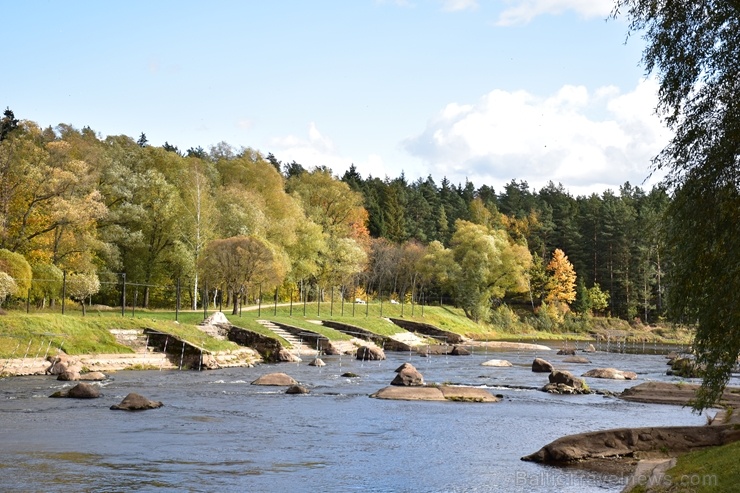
(136, 402)
(278, 379)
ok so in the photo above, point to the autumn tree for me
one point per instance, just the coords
(238, 262)
(693, 47)
(561, 282)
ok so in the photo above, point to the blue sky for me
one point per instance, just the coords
(480, 90)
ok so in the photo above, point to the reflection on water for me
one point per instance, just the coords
(217, 432)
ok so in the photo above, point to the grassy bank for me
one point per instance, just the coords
(35, 333)
(712, 470)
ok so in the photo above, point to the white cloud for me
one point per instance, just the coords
(458, 5)
(315, 149)
(523, 11)
(589, 141)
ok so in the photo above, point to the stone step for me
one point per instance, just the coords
(296, 343)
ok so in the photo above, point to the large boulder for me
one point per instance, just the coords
(317, 362)
(629, 442)
(589, 349)
(79, 391)
(136, 402)
(367, 353)
(610, 373)
(539, 365)
(408, 377)
(564, 382)
(404, 366)
(497, 363)
(277, 379)
(84, 391)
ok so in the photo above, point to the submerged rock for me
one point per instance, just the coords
(278, 379)
(610, 373)
(497, 362)
(79, 391)
(297, 389)
(136, 402)
(93, 376)
(430, 393)
(576, 359)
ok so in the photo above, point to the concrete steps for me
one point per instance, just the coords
(297, 345)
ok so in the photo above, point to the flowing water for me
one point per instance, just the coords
(218, 433)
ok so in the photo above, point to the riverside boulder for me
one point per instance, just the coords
(564, 382)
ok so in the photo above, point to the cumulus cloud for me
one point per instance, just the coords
(315, 149)
(523, 11)
(589, 141)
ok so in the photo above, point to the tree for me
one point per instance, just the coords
(8, 123)
(693, 47)
(238, 262)
(561, 284)
(598, 299)
(143, 141)
(17, 267)
(7, 286)
(81, 286)
(489, 267)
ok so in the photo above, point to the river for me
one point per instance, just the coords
(218, 433)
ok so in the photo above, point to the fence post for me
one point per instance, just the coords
(123, 295)
(177, 304)
(64, 289)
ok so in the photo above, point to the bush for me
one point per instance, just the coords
(505, 319)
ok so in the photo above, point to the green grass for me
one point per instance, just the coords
(36, 334)
(90, 334)
(712, 470)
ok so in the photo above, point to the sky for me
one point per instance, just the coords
(485, 91)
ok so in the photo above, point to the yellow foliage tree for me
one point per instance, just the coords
(561, 283)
